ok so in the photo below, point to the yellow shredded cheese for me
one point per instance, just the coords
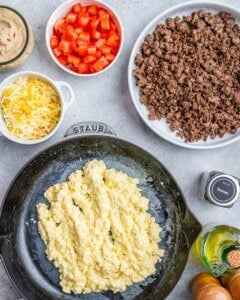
(30, 107)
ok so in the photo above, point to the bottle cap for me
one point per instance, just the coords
(233, 258)
(223, 190)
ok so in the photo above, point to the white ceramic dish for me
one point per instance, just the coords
(62, 11)
(65, 103)
(161, 128)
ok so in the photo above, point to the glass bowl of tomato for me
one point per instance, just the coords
(84, 37)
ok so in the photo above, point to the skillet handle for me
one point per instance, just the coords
(90, 127)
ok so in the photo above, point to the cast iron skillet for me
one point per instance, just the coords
(21, 248)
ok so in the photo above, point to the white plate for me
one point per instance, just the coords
(161, 128)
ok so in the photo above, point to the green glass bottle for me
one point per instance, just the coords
(218, 247)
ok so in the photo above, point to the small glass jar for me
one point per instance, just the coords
(11, 20)
(219, 188)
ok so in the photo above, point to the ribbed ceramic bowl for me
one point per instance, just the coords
(57, 85)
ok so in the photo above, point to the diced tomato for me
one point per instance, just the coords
(92, 50)
(100, 64)
(105, 49)
(71, 18)
(64, 46)
(99, 43)
(110, 57)
(84, 36)
(113, 26)
(94, 23)
(71, 32)
(98, 54)
(59, 26)
(83, 20)
(95, 34)
(115, 50)
(92, 10)
(76, 8)
(91, 68)
(73, 59)
(79, 30)
(63, 59)
(83, 68)
(82, 50)
(89, 59)
(105, 23)
(83, 10)
(54, 41)
(112, 41)
(57, 52)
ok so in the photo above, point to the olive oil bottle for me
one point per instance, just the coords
(218, 247)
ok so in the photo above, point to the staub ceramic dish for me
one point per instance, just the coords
(65, 102)
(161, 128)
(21, 248)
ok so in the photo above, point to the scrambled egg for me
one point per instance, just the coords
(97, 231)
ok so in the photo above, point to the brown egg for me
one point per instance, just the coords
(206, 287)
(232, 282)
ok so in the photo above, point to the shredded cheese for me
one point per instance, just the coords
(30, 107)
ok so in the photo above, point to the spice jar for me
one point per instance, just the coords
(219, 188)
(16, 38)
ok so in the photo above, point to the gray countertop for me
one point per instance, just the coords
(106, 98)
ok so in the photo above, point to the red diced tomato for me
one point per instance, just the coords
(110, 57)
(92, 50)
(63, 59)
(83, 10)
(83, 20)
(92, 10)
(112, 41)
(74, 60)
(89, 59)
(105, 23)
(83, 68)
(99, 43)
(105, 49)
(64, 46)
(81, 50)
(78, 30)
(113, 26)
(57, 52)
(115, 50)
(76, 8)
(71, 18)
(84, 36)
(98, 54)
(95, 34)
(59, 26)
(94, 23)
(54, 41)
(71, 32)
(100, 64)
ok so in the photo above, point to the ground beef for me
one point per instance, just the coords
(188, 72)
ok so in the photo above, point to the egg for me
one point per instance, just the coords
(97, 230)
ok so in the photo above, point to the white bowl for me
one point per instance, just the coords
(161, 128)
(58, 85)
(61, 12)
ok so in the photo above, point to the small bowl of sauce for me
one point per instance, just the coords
(16, 39)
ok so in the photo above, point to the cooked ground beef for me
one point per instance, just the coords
(188, 71)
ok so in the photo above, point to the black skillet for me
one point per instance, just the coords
(21, 248)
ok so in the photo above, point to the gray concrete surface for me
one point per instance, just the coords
(106, 98)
